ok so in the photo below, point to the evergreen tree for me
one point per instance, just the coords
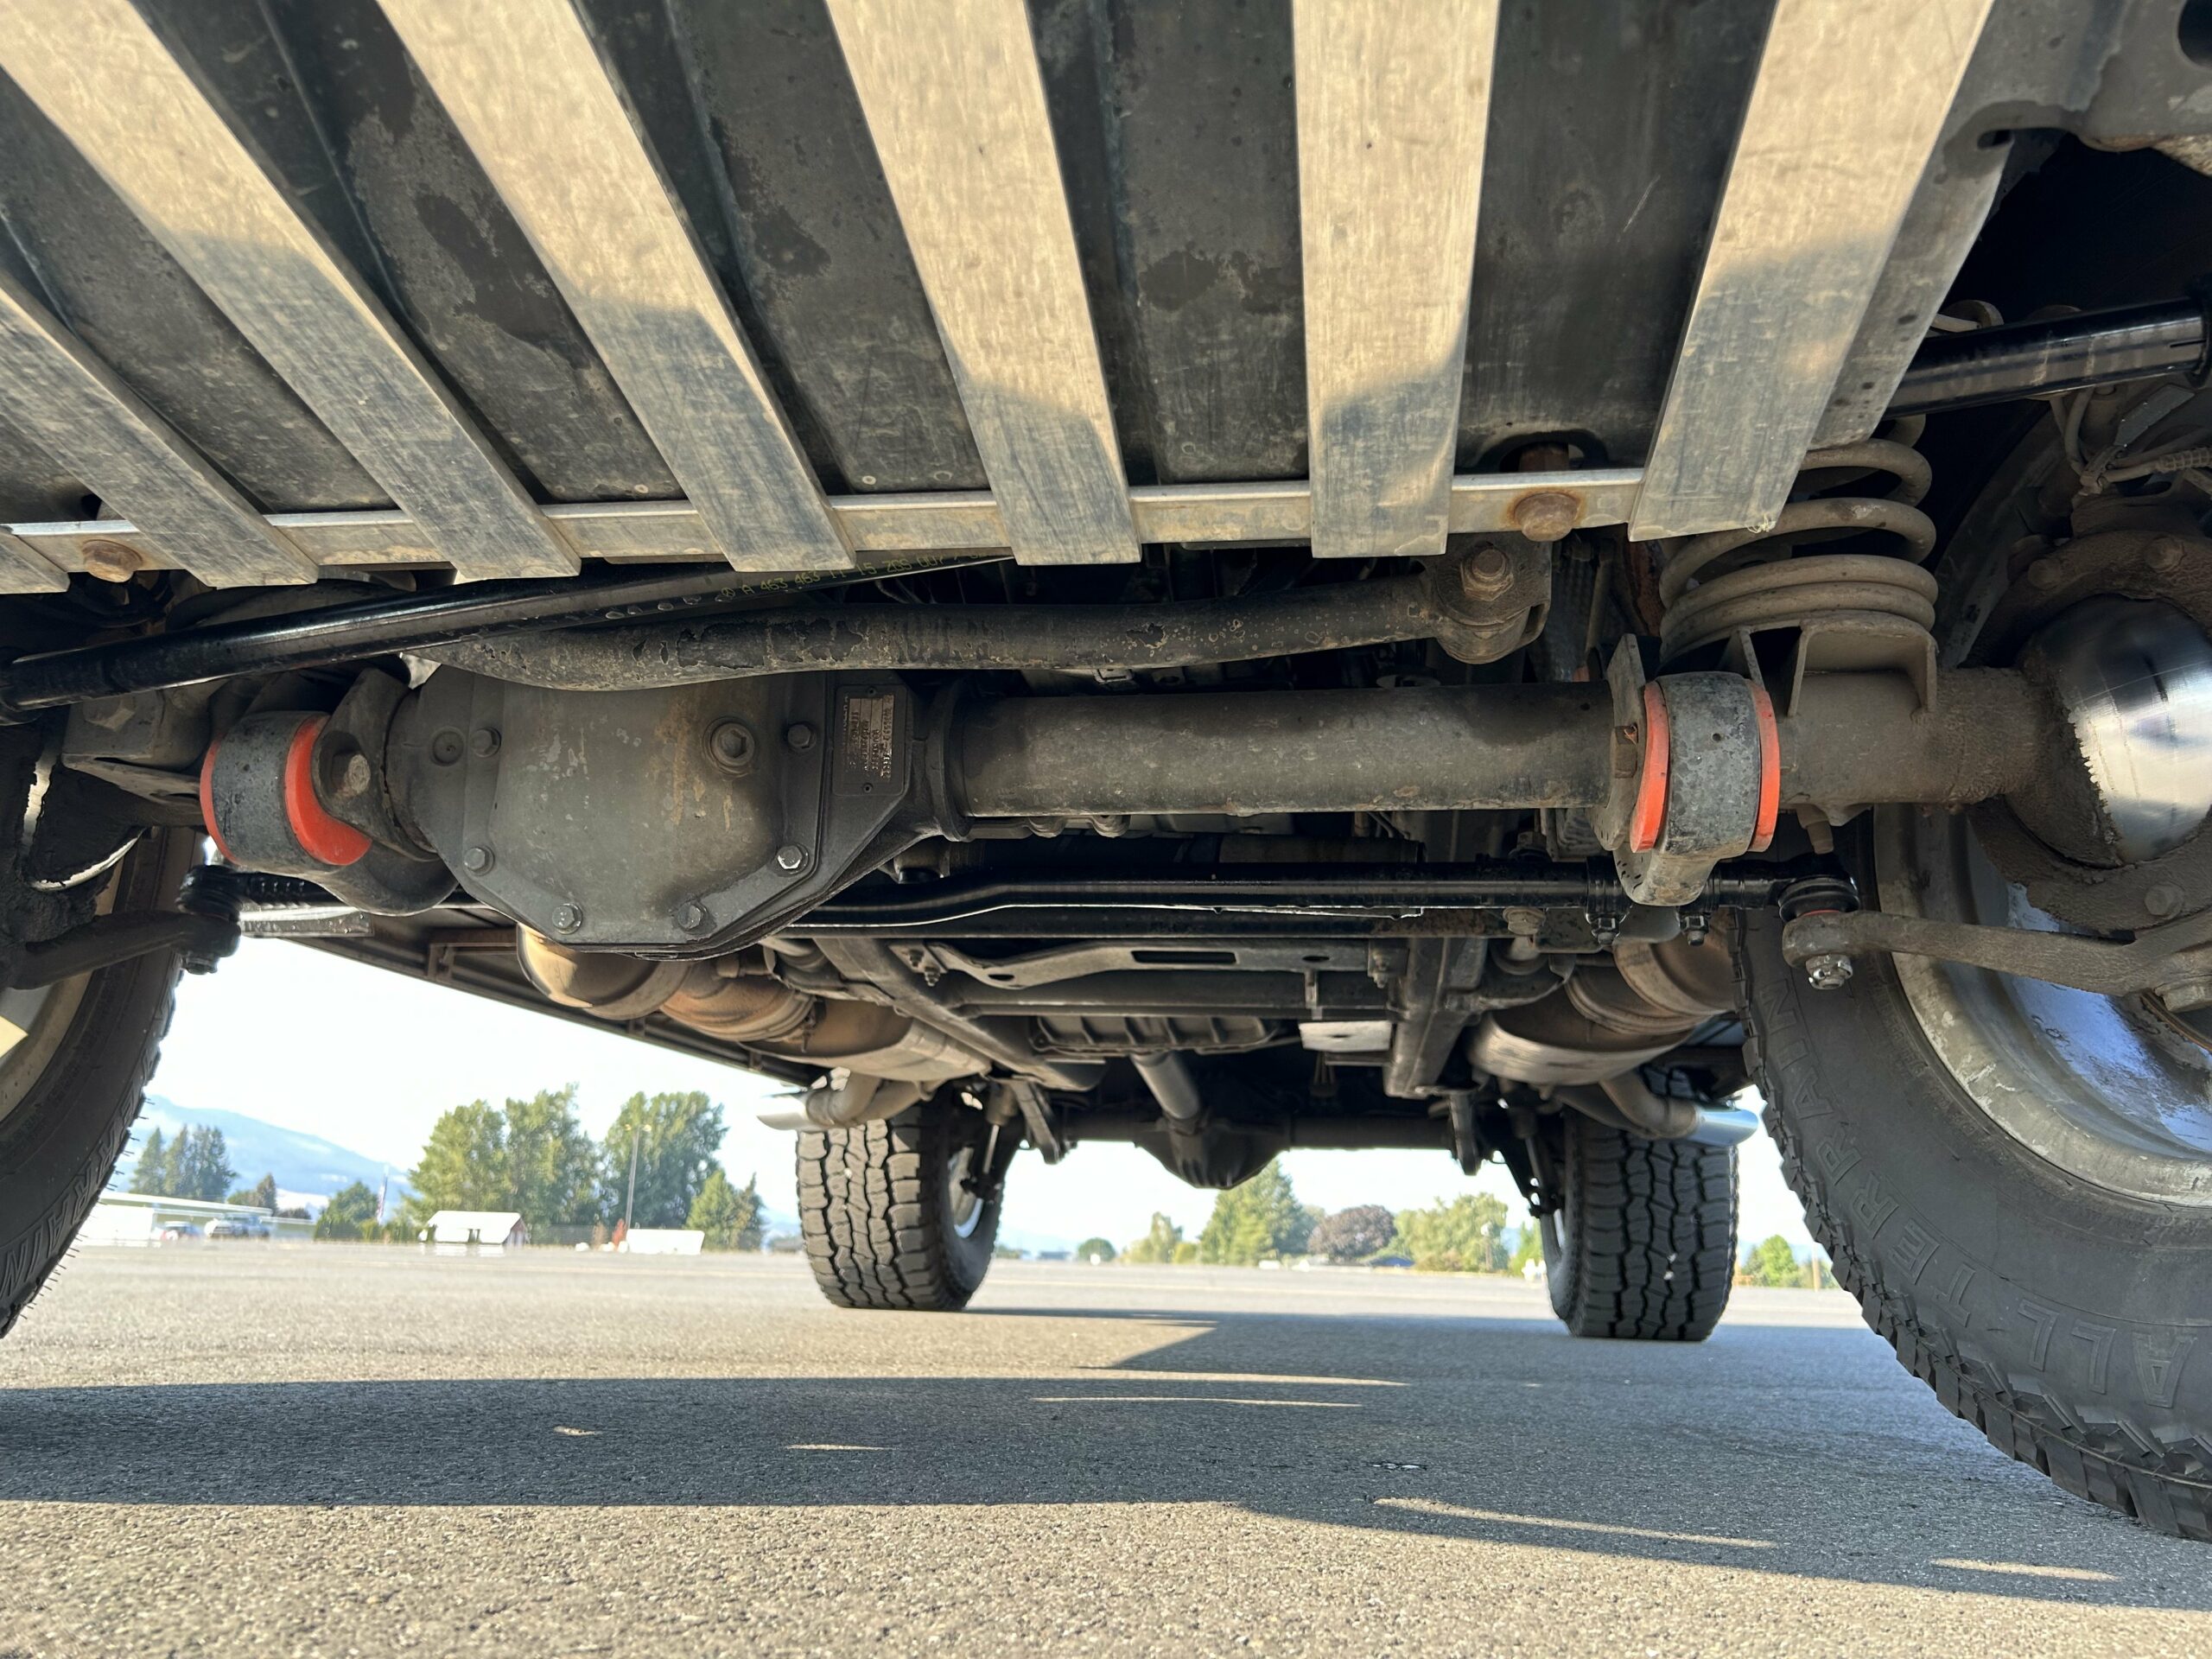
(675, 1155)
(350, 1214)
(153, 1174)
(729, 1216)
(263, 1192)
(1157, 1245)
(1260, 1220)
(200, 1165)
(1093, 1250)
(553, 1165)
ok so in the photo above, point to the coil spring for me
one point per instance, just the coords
(1782, 588)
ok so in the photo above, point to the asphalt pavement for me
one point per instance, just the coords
(325, 1450)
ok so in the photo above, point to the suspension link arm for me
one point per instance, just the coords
(2173, 961)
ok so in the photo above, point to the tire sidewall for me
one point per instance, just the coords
(2086, 1308)
(60, 1142)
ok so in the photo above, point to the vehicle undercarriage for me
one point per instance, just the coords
(1225, 578)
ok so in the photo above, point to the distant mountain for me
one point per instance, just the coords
(305, 1166)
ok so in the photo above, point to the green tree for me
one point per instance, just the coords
(1187, 1252)
(156, 1167)
(262, 1192)
(1258, 1220)
(1353, 1235)
(351, 1213)
(680, 1136)
(1094, 1249)
(552, 1165)
(464, 1165)
(1157, 1245)
(1771, 1261)
(729, 1216)
(1465, 1235)
(201, 1164)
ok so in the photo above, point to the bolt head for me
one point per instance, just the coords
(1546, 515)
(2046, 574)
(1486, 573)
(691, 917)
(354, 778)
(476, 860)
(799, 735)
(110, 561)
(2164, 556)
(568, 919)
(2163, 898)
(1828, 972)
(483, 741)
(790, 860)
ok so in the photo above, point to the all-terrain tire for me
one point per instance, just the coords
(882, 1218)
(70, 1090)
(1644, 1244)
(2069, 1324)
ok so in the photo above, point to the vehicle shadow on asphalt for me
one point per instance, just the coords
(1788, 1451)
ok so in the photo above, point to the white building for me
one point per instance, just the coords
(138, 1218)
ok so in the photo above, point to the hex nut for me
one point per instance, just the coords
(1547, 515)
(790, 860)
(1828, 971)
(1486, 573)
(110, 561)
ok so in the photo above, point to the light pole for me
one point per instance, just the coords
(630, 1199)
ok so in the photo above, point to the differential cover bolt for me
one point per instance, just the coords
(568, 919)
(691, 918)
(2162, 898)
(484, 743)
(476, 860)
(1828, 971)
(790, 860)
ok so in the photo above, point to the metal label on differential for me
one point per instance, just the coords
(870, 756)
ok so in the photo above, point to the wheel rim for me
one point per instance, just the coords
(2112, 1090)
(963, 1208)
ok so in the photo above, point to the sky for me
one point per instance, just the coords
(369, 1059)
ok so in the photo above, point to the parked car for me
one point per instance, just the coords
(1482, 579)
(180, 1232)
(238, 1227)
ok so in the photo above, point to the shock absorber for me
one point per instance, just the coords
(1750, 582)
